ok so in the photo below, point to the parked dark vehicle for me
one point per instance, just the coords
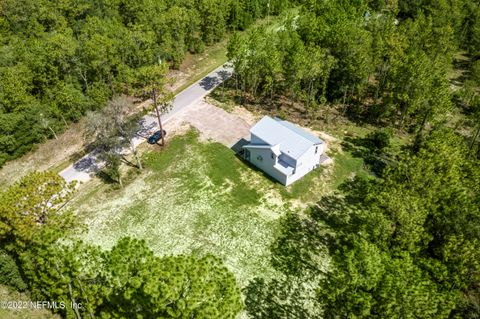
(156, 137)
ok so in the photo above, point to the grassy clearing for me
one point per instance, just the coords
(196, 197)
(191, 199)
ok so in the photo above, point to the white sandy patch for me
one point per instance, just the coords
(173, 224)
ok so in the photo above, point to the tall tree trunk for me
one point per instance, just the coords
(74, 304)
(381, 82)
(254, 85)
(54, 134)
(120, 181)
(236, 84)
(158, 115)
(474, 138)
(64, 121)
(92, 316)
(223, 91)
(243, 91)
(419, 135)
(344, 101)
(402, 116)
(135, 153)
(310, 90)
(70, 292)
(84, 77)
(424, 121)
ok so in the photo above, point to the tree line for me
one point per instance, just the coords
(385, 62)
(61, 59)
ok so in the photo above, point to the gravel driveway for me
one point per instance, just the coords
(216, 124)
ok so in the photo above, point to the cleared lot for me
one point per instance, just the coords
(194, 197)
(197, 196)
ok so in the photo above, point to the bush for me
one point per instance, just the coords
(379, 139)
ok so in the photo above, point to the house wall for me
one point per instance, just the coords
(266, 164)
(306, 163)
(256, 140)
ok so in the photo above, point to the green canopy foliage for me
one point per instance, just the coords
(385, 62)
(60, 59)
(130, 282)
(32, 210)
(405, 245)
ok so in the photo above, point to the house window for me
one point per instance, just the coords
(259, 158)
(273, 156)
(316, 149)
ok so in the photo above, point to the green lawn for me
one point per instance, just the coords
(199, 197)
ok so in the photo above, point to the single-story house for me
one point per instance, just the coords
(283, 150)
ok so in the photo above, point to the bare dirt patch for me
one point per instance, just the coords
(67, 147)
(246, 115)
(215, 123)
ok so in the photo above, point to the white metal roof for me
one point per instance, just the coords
(293, 140)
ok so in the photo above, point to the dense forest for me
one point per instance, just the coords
(60, 59)
(405, 244)
(404, 240)
(385, 62)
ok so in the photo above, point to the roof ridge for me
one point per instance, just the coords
(293, 141)
(279, 121)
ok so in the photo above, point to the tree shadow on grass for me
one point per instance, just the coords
(301, 256)
(285, 297)
(298, 254)
(106, 178)
(129, 163)
(376, 157)
(301, 244)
